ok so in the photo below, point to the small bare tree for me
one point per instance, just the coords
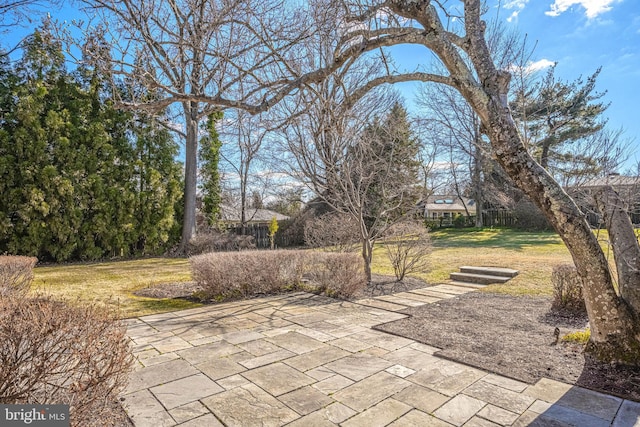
(408, 246)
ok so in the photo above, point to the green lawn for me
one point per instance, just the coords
(113, 283)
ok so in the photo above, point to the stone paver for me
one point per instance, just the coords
(305, 360)
(185, 390)
(459, 410)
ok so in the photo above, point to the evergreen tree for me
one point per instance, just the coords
(554, 115)
(210, 146)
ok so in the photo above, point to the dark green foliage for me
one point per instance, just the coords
(554, 115)
(209, 171)
(79, 179)
(394, 166)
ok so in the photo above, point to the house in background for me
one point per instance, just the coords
(628, 187)
(444, 208)
(231, 216)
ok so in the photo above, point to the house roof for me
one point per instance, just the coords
(233, 214)
(449, 203)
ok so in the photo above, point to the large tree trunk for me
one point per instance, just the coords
(614, 332)
(477, 178)
(626, 250)
(190, 174)
(367, 255)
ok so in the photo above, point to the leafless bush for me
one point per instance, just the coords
(333, 231)
(16, 274)
(337, 275)
(567, 289)
(51, 352)
(243, 274)
(212, 241)
(408, 246)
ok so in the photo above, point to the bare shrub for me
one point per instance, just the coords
(336, 275)
(408, 246)
(567, 289)
(212, 241)
(334, 231)
(244, 274)
(16, 274)
(51, 352)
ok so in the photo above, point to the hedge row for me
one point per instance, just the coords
(229, 275)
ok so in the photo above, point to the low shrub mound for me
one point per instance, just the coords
(230, 275)
(51, 352)
(213, 241)
(567, 289)
(16, 274)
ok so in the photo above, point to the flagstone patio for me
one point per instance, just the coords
(307, 360)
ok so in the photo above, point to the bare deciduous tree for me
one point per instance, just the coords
(200, 55)
(461, 47)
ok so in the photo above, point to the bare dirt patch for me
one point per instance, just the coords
(514, 337)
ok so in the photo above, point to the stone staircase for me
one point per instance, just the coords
(475, 277)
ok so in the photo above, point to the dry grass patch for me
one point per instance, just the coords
(112, 283)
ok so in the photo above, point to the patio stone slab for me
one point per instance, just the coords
(359, 366)
(159, 374)
(278, 378)
(241, 336)
(370, 391)
(329, 416)
(208, 420)
(296, 342)
(249, 406)
(446, 377)
(547, 390)
(233, 381)
(382, 339)
(267, 359)
(411, 358)
(305, 400)
(379, 415)
(185, 390)
(572, 417)
(628, 415)
(349, 344)
(498, 415)
(508, 383)
(591, 402)
(481, 422)
(421, 398)
(459, 410)
(333, 384)
(424, 299)
(145, 411)
(220, 368)
(400, 371)
(372, 302)
(430, 292)
(316, 358)
(259, 347)
(532, 419)
(498, 396)
(206, 352)
(396, 299)
(188, 412)
(418, 418)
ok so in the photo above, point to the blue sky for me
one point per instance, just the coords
(580, 35)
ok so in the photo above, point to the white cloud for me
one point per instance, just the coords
(517, 6)
(593, 8)
(539, 65)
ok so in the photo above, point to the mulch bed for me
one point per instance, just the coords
(513, 337)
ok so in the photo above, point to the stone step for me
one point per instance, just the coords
(489, 271)
(484, 279)
(467, 284)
